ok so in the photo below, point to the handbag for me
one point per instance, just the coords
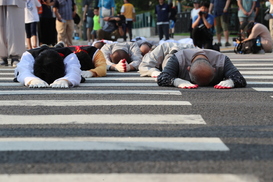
(267, 15)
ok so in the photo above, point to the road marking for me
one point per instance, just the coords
(98, 84)
(259, 83)
(263, 89)
(64, 91)
(125, 177)
(108, 74)
(89, 102)
(244, 68)
(103, 78)
(102, 119)
(251, 59)
(112, 143)
(257, 72)
(250, 65)
(257, 77)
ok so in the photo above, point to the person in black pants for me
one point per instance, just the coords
(202, 24)
(162, 11)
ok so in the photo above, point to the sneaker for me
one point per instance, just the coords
(219, 44)
(60, 44)
(14, 62)
(227, 44)
(4, 62)
(89, 43)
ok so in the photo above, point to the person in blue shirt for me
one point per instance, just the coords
(202, 24)
(162, 11)
(107, 8)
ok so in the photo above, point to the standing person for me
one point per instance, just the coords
(246, 11)
(220, 11)
(12, 41)
(48, 34)
(107, 8)
(162, 11)
(271, 19)
(128, 10)
(202, 24)
(194, 12)
(88, 15)
(172, 19)
(65, 10)
(31, 19)
(96, 23)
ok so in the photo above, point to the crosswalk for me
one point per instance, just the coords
(260, 74)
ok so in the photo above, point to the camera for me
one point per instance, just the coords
(202, 13)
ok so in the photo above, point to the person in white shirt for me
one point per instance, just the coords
(194, 12)
(31, 19)
(49, 67)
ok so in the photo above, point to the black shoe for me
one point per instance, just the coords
(60, 44)
(4, 62)
(219, 44)
(227, 44)
(14, 62)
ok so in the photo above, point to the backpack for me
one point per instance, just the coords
(249, 46)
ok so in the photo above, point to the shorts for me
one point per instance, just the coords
(31, 29)
(220, 24)
(89, 22)
(94, 32)
(247, 19)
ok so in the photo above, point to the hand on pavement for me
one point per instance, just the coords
(226, 84)
(155, 74)
(184, 84)
(37, 83)
(60, 84)
(87, 74)
(123, 66)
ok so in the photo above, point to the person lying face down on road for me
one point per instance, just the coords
(116, 53)
(92, 60)
(49, 67)
(154, 61)
(190, 68)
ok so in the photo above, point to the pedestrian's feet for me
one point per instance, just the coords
(219, 44)
(60, 44)
(14, 62)
(89, 43)
(4, 62)
(227, 44)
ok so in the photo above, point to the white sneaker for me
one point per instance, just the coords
(89, 43)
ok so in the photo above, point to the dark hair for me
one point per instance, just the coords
(97, 8)
(85, 60)
(146, 43)
(49, 66)
(204, 4)
(120, 54)
(99, 45)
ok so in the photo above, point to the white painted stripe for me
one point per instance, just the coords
(102, 119)
(257, 72)
(89, 102)
(98, 84)
(112, 143)
(137, 92)
(248, 65)
(119, 84)
(8, 74)
(7, 69)
(122, 74)
(244, 68)
(121, 78)
(258, 59)
(257, 77)
(263, 89)
(104, 78)
(125, 177)
(259, 83)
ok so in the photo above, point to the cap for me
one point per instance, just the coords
(196, 1)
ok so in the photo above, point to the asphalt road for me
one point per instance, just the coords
(109, 132)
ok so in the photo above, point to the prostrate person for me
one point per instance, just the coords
(190, 68)
(258, 31)
(49, 67)
(153, 62)
(92, 60)
(116, 53)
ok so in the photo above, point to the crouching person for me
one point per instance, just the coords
(49, 67)
(190, 68)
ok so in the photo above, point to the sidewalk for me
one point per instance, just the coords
(223, 49)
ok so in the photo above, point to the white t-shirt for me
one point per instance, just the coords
(194, 12)
(31, 12)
